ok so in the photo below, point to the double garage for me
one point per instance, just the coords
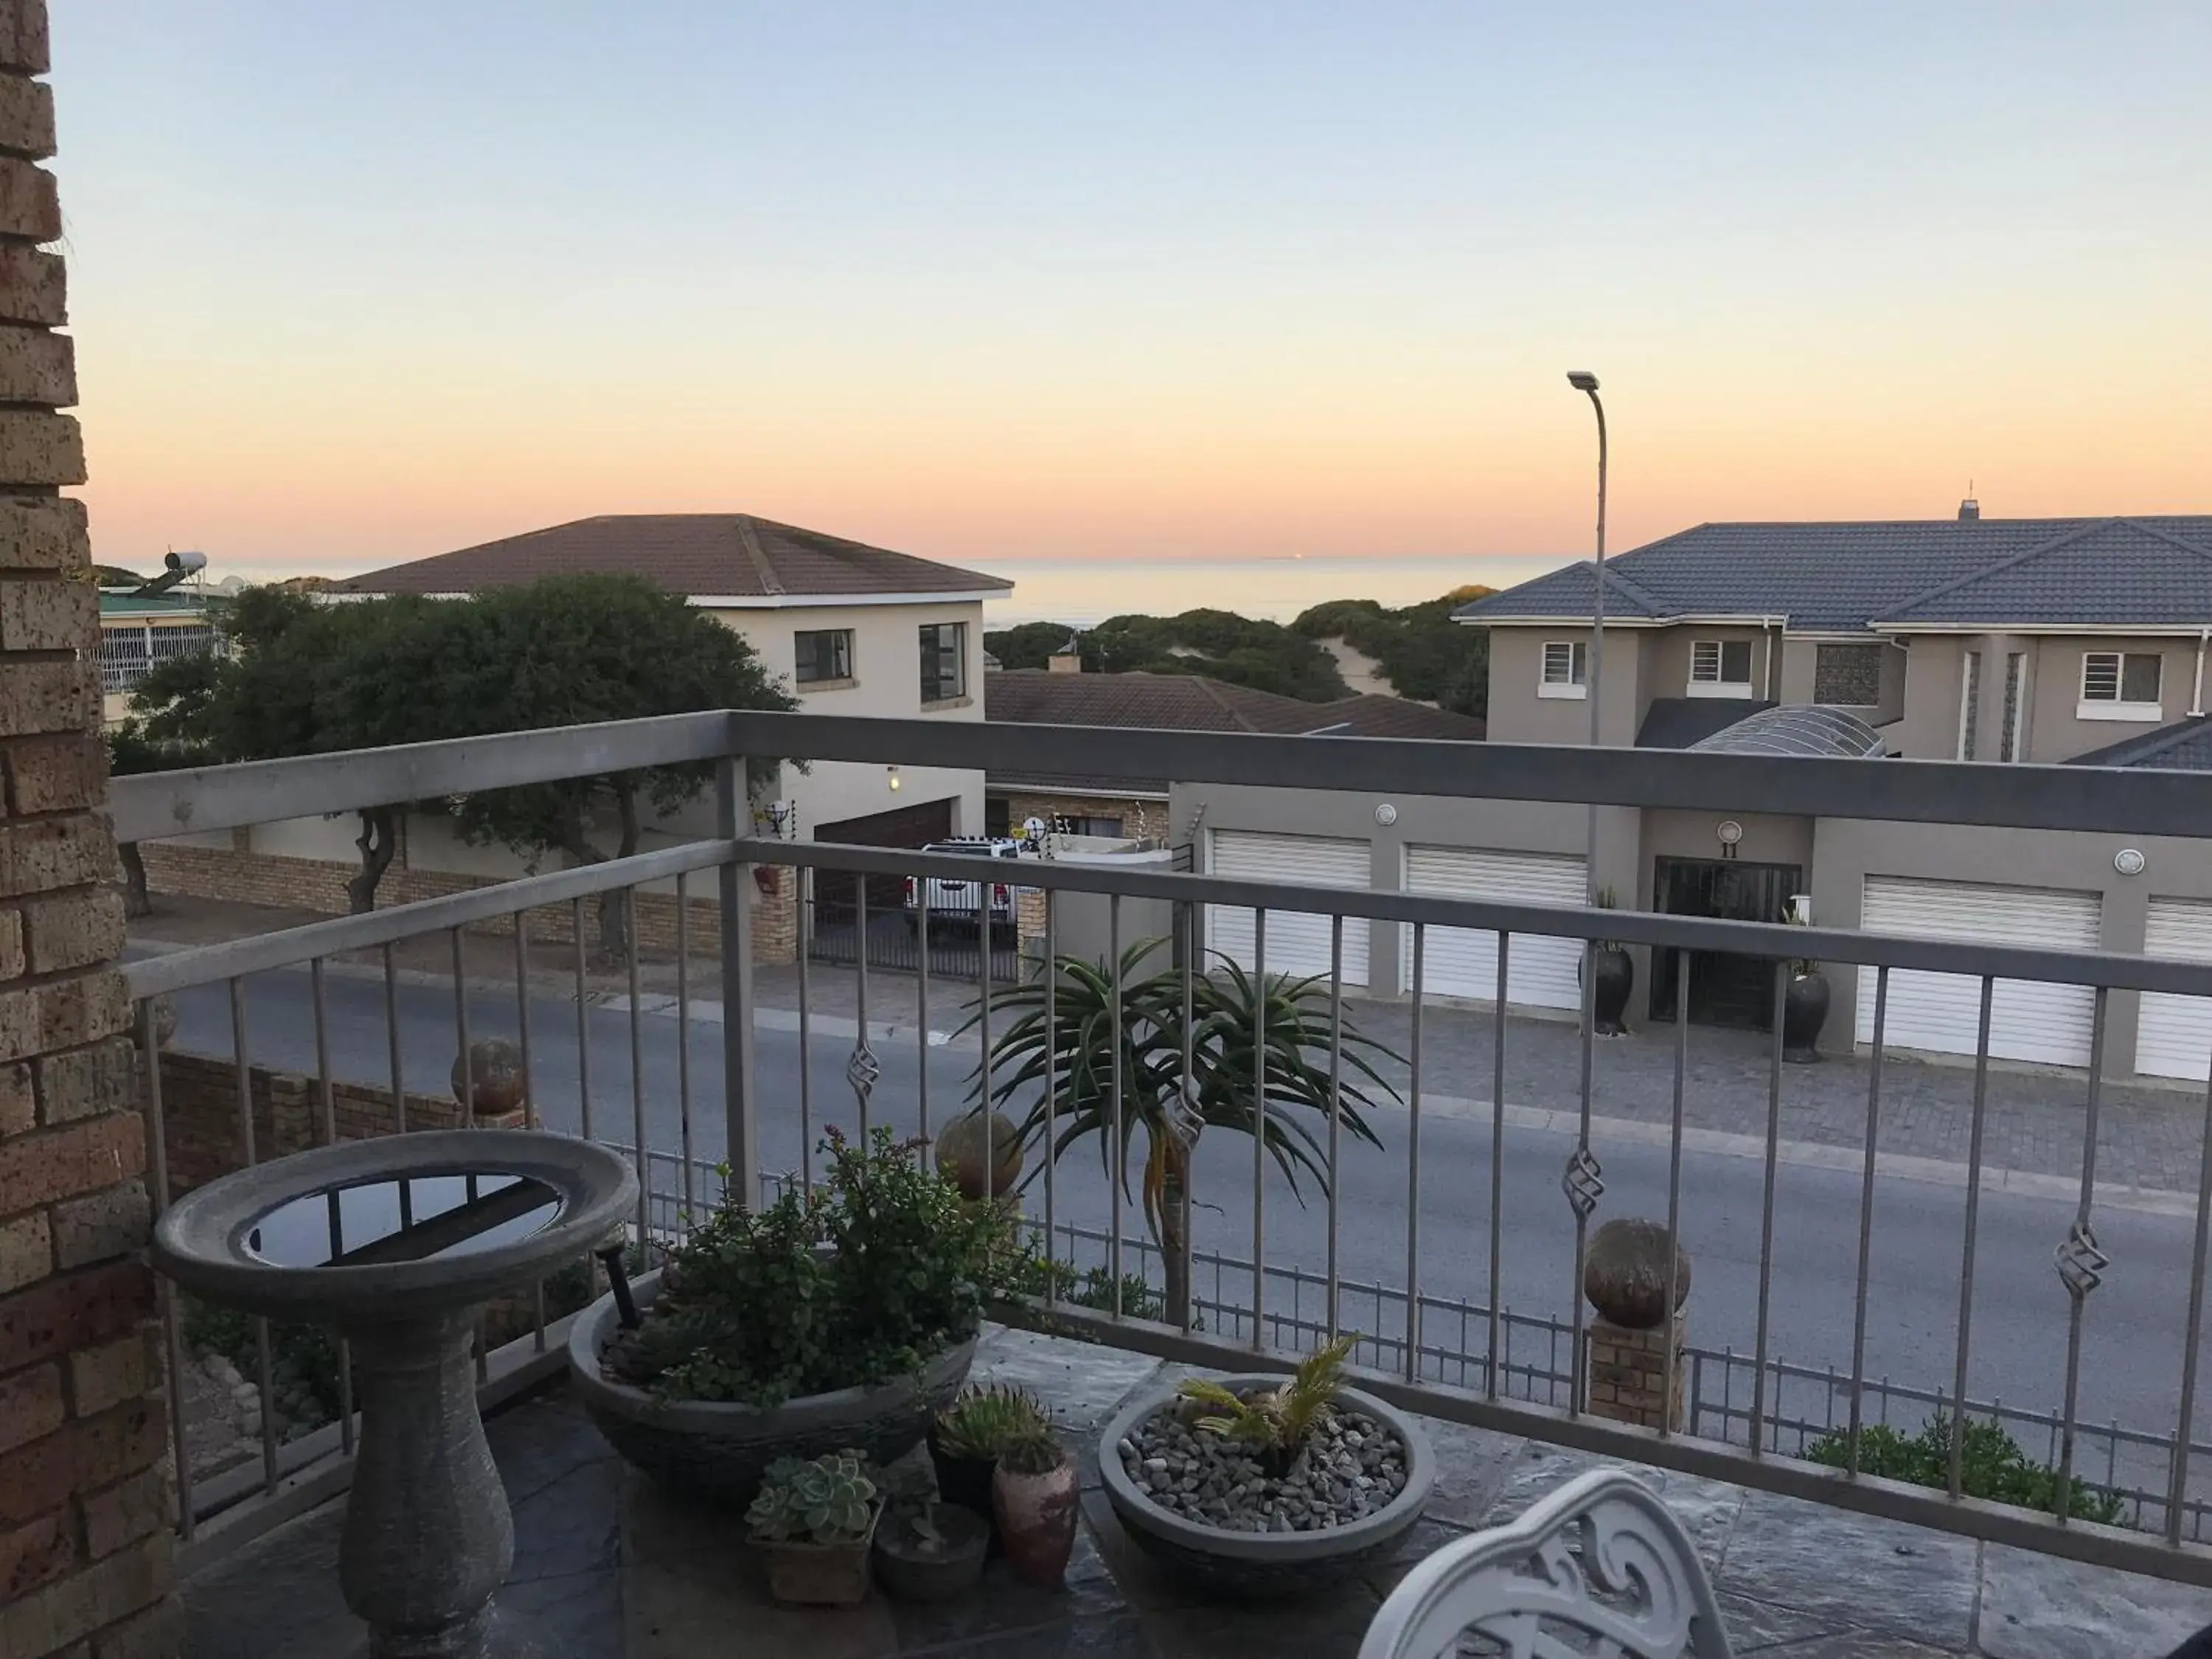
(1456, 962)
(1940, 1013)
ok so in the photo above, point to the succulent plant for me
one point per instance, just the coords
(1038, 1451)
(1275, 1421)
(826, 1500)
(985, 1417)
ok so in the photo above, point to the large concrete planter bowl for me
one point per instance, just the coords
(1265, 1566)
(719, 1451)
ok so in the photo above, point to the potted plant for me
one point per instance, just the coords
(969, 1435)
(1034, 1497)
(842, 1318)
(1805, 998)
(1613, 977)
(1062, 1077)
(931, 1554)
(1259, 1487)
(813, 1520)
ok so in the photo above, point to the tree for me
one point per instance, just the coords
(1028, 645)
(130, 751)
(573, 650)
(1067, 1067)
(302, 677)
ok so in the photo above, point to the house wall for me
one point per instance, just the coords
(2055, 692)
(1422, 820)
(1800, 669)
(1517, 714)
(1667, 650)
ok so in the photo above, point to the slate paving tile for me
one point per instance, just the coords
(570, 1526)
(1886, 1577)
(2038, 1607)
(1707, 1508)
(574, 1615)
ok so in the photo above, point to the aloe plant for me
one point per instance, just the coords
(1069, 1066)
(985, 1419)
(823, 1500)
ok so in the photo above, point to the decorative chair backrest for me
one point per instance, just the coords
(1601, 1557)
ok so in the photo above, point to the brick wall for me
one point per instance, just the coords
(199, 1116)
(318, 885)
(85, 1564)
(1139, 816)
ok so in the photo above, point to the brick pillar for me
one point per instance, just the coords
(84, 1479)
(1627, 1371)
(1029, 929)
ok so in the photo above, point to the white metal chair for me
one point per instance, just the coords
(1633, 1588)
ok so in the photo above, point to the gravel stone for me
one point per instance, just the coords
(1351, 1466)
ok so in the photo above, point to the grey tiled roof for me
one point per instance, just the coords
(1845, 576)
(2184, 746)
(1680, 722)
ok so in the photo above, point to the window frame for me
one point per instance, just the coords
(929, 645)
(820, 681)
(2115, 704)
(1715, 685)
(1575, 686)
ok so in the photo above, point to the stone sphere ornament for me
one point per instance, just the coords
(1625, 1274)
(495, 1070)
(961, 1155)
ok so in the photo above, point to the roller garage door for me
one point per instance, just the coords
(1296, 943)
(1941, 1012)
(2173, 1037)
(1462, 962)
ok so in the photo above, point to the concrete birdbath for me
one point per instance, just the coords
(396, 1244)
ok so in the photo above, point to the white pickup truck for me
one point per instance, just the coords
(963, 903)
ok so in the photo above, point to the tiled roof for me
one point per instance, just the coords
(722, 554)
(2184, 746)
(1846, 576)
(1679, 722)
(1190, 702)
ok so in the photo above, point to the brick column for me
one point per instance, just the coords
(1627, 1373)
(84, 1482)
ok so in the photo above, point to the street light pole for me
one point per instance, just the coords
(1582, 381)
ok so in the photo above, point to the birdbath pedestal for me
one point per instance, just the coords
(397, 1244)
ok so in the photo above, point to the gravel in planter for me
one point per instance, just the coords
(1350, 1467)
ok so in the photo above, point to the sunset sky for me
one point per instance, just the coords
(355, 282)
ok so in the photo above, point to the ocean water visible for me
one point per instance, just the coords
(1083, 592)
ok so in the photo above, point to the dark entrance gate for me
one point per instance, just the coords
(1724, 990)
(837, 934)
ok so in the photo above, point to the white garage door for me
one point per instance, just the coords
(1298, 942)
(2173, 1037)
(1941, 1012)
(1462, 962)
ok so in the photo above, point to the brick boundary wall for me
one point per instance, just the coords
(1139, 818)
(86, 1567)
(318, 885)
(199, 1115)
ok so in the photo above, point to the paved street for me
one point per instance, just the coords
(2131, 1362)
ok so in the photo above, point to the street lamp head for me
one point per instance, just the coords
(1581, 380)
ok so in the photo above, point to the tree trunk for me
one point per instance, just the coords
(1175, 1228)
(612, 948)
(135, 900)
(378, 842)
(616, 919)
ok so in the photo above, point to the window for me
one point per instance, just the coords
(944, 661)
(127, 655)
(1720, 668)
(1847, 675)
(2117, 686)
(1564, 661)
(2015, 676)
(1970, 704)
(1080, 825)
(823, 654)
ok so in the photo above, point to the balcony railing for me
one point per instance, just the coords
(1440, 1336)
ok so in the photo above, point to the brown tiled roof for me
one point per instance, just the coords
(697, 554)
(1189, 703)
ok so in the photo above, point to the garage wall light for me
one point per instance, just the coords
(2129, 862)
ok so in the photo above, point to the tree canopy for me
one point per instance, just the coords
(301, 676)
(1420, 650)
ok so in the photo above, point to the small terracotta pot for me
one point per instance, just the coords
(1038, 1516)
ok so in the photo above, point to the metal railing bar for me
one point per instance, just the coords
(1259, 1124)
(151, 806)
(1669, 1383)
(628, 900)
(1967, 1249)
(1117, 1164)
(203, 965)
(684, 1044)
(1497, 1159)
(2185, 1422)
(149, 1053)
(2080, 1253)
(241, 1057)
(1780, 980)
(583, 1017)
(808, 917)
(1866, 1217)
(326, 1103)
(1413, 1168)
(1335, 1105)
(1051, 1083)
(529, 1090)
(921, 1012)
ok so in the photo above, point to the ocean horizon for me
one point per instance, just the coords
(1083, 592)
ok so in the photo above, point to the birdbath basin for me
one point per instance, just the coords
(397, 1243)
